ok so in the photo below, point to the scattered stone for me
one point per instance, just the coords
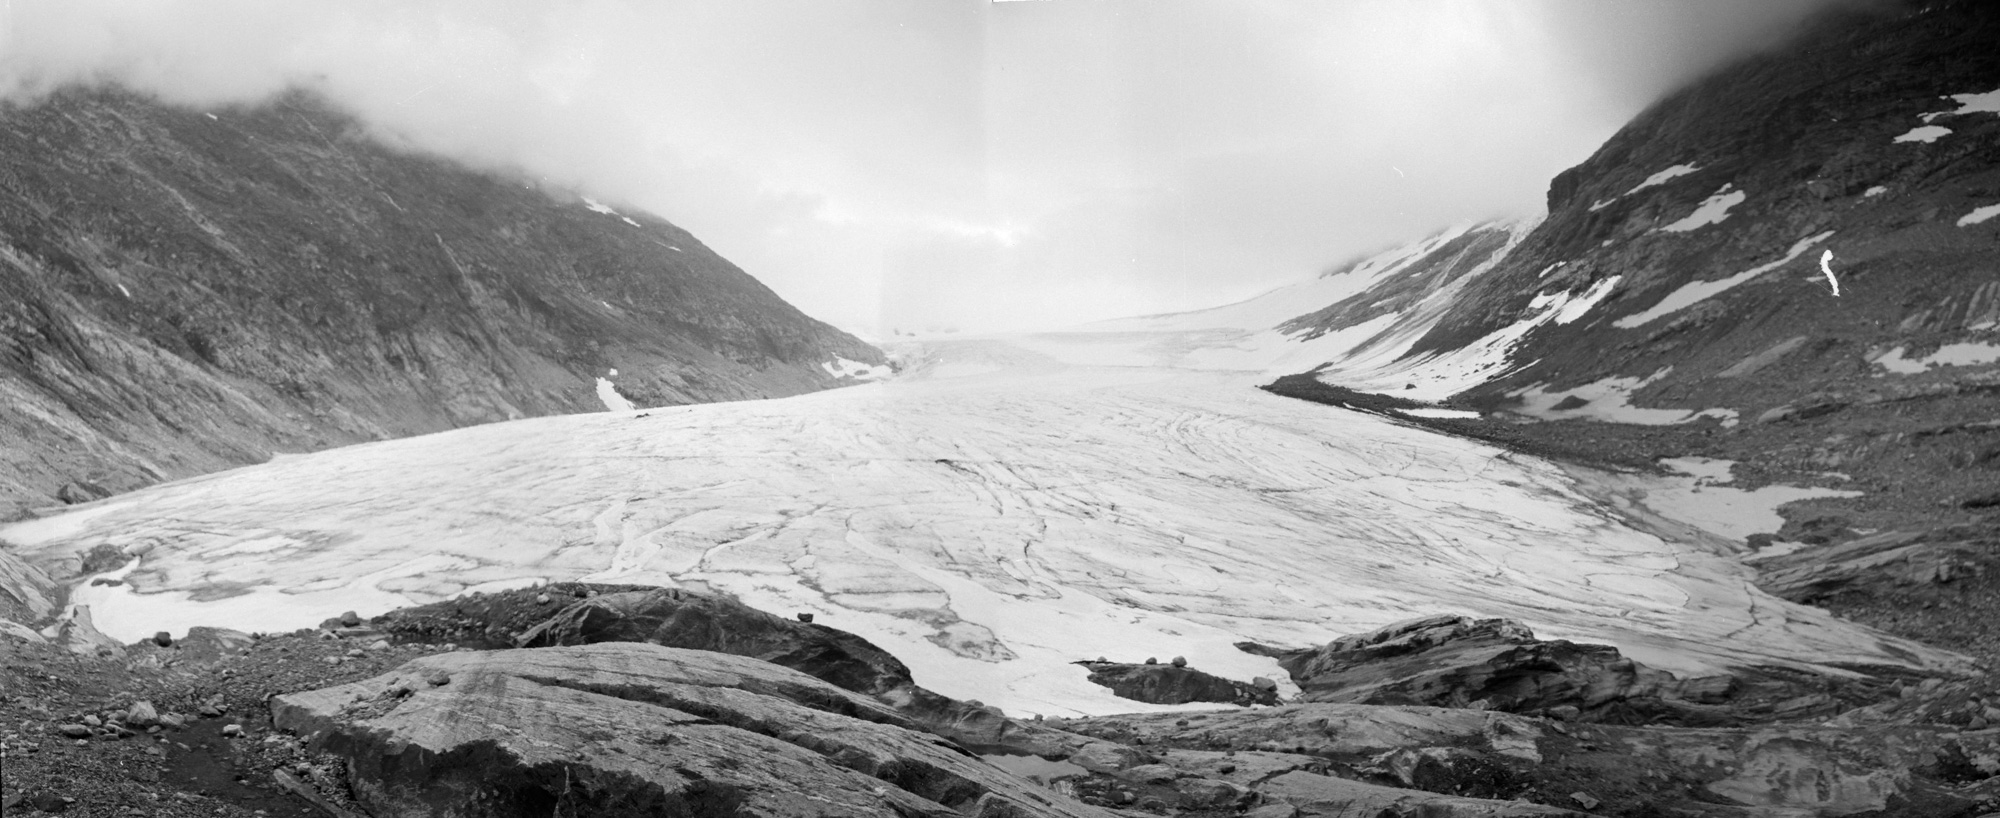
(805, 617)
(1152, 660)
(350, 619)
(1179, 661)
(74, 731)
(232, 730)
(1583, 799)
(93, 721)
(163, 639)
(142, 714)
(541, 599)
(379, 644)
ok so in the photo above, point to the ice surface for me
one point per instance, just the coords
(1696, 291)
(1979, 214)
(988, 528)
(1926, 134)
(1711, 211)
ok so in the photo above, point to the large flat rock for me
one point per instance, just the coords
(639, 729)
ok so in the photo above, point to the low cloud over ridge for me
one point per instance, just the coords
(917, 164)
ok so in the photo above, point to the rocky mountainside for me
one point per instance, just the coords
(1789, 265)
(185, 290)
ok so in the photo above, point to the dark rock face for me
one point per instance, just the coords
(1172, 684)
(636, 729)
(184, 290)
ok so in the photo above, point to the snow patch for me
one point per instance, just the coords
(1959, 354)
(1441, 375)
(1987, 103)
(1426, 412)
(1874, 191)
(1697, 291)
(1826, 266)
(1610, 400)
(1978, 215)
(628, 220)
(1663, 176)
(607, 394)
(596, 206)
(843, 368)
(1925, 134)
(128, 293)
(1601, 204)
(1713, 210)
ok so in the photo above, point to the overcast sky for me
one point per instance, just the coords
(953, 163)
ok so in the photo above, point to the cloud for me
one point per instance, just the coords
(918, 163)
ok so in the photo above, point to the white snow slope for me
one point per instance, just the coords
(990, 516)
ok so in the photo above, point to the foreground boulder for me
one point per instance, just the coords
(1296, 753)
(636, 729)
(683, 619)
(1498, 664)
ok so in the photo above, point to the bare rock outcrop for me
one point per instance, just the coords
(636, 729)
(1498, 664)
(684, 619)
(1175, 684)
(1280, 753)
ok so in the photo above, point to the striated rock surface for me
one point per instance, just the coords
(636, 729)
(184, 290)
(1498, 664)
(1886, 558)
(27, 594)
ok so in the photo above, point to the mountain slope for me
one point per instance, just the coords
(184, 290)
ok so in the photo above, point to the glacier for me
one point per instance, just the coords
(1001, 509)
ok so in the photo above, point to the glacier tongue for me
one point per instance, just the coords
(990, 516)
